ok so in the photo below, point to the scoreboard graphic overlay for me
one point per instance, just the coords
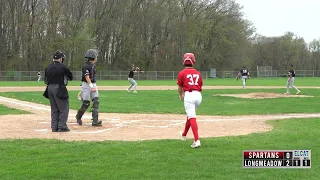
(276, 159)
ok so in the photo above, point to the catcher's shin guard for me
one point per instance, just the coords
(85, 105)
(95, 112)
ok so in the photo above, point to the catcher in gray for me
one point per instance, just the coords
(89, 90)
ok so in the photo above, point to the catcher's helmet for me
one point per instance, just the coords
(188, 59)
(91, 53)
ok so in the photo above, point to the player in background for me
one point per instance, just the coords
(290, 81)
(244, 74)
(39, 75)
(133, 83)
(189, 88)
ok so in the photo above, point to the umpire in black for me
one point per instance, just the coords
(56, 77)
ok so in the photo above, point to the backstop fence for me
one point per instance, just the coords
(266, 71)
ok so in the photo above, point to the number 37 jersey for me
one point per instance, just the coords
(190, 79)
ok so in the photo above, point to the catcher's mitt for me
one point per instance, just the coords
(79, 96)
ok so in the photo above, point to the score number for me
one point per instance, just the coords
(276, 159)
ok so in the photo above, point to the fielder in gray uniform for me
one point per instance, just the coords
(133, 83)
(56, 76)
(244, 74)
(89, 90)
(290, 81)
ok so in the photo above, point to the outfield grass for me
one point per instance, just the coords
(168, 102)
(299, 81)
(218, 158)
(5, 111)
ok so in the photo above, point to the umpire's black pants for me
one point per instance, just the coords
(59, 109)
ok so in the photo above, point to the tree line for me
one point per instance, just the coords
(153, 34)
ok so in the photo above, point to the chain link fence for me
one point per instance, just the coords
(266, 71)
(155, 75)
(101, 75)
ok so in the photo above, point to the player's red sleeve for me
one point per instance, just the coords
(180, 79)
(201, 82)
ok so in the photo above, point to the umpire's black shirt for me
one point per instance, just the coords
(55, 73)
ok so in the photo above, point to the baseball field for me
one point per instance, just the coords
(139, 138)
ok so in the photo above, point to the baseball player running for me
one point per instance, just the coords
(290, 81)
(189, 88)
(133, 83)
(89, 90)
(244, 74)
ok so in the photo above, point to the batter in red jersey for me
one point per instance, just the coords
(189, 88)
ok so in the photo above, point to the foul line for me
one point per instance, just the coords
(22, 104)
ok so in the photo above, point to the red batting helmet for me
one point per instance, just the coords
(188, 58)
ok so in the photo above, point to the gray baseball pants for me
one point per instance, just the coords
(133, 84)
(86, 93)
(87, 96)
(59, 108)
(290, 85)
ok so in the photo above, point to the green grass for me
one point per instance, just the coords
(218, 158)
(6, 111)
(299, 81)
(168, 102)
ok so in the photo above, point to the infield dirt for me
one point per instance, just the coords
(127, 127)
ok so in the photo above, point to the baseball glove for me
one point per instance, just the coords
(79, 96)
(139, 70)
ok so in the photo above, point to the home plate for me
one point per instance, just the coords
(41, 130)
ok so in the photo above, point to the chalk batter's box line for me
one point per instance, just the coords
(117, 126)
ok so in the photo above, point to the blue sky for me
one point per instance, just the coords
(275, 17)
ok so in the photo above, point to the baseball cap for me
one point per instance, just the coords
(58, 55)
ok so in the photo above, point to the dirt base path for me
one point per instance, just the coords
(129, 127)
(42, 88)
